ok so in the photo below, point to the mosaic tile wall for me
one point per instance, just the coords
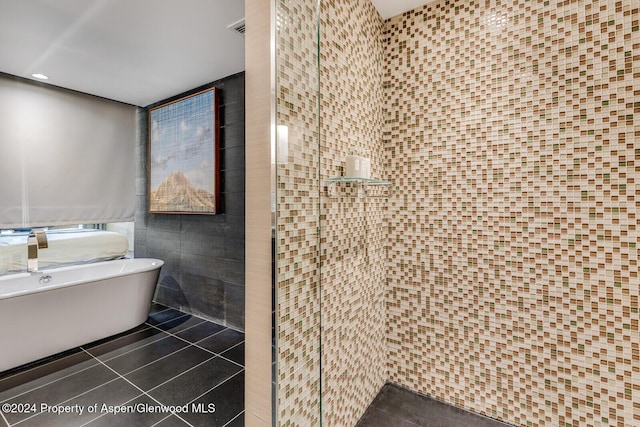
(297, 216)
(348, 228)
(354, 225)
(513, 143)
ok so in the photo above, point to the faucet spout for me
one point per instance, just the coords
(37, 240)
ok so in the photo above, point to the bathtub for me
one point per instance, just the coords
(53, 310)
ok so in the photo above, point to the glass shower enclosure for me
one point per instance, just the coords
(330, 219)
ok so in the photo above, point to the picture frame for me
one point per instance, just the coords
(184, 155)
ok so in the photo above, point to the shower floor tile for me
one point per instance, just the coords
(396, 406)
(175, 369)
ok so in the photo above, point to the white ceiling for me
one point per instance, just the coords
(389, 8)
(133, 51)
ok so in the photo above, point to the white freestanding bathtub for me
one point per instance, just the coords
(50, 311)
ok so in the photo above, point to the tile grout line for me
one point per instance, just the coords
(234, 418)
(154, 360)
(20, 372)
(5, 420)
(181, 330)
(182, 373)
(232, 347)
(50, 382)
(195, 344)
(160, 338)
(141, 390)
(215, 387)
(219, 354)
(150, 326)
(65, 401)
(165, 418)
(183, 339)
(102, 415)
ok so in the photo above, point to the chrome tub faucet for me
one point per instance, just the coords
(37, 240)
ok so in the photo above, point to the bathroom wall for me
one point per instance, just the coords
(331, 242)
(204, 254)
(353, 226)
(512, 141)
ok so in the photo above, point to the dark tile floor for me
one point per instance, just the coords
(397, 407)
(174, 370)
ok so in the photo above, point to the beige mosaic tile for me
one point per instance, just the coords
(513, 143)
(348, 228)
(297, 217)
(512, 260)
(353, 224)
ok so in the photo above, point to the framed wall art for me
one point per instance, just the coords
(184, 153)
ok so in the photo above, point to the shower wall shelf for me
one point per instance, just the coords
(367, 187)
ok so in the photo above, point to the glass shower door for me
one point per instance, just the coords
(330, 246)
(295, 159)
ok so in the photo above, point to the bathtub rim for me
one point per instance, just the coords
(145, 265)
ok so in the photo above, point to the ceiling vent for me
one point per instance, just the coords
(238, 27)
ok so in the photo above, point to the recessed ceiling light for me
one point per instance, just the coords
(40, 76)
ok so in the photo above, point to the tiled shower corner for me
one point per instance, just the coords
(513, 144)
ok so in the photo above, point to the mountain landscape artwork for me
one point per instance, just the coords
(183, 155)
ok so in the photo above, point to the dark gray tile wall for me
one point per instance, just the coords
(203, 254)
